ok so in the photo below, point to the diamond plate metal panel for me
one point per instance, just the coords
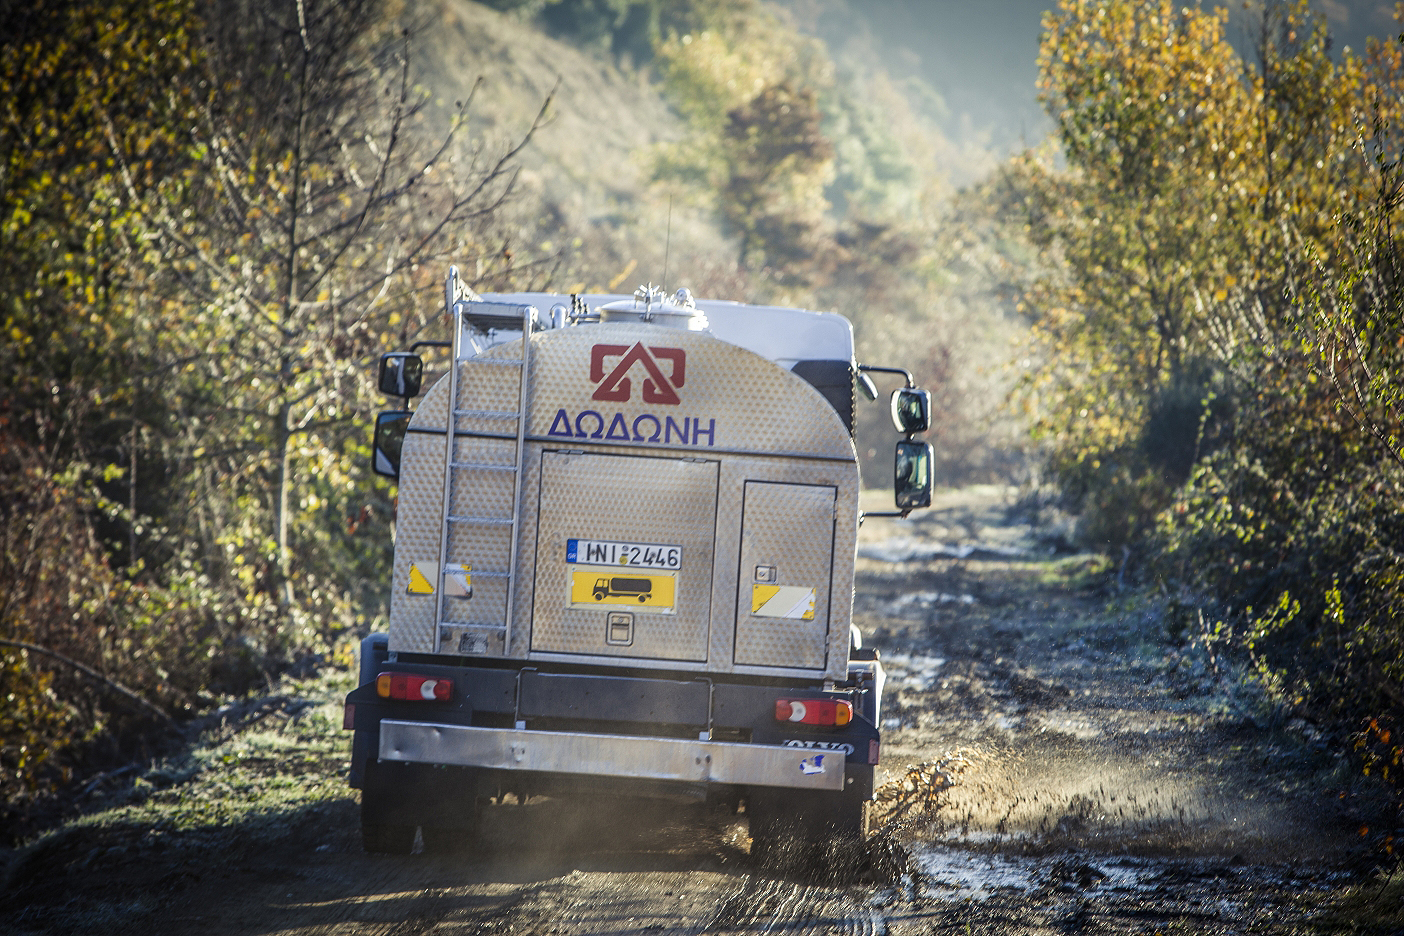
(740, 411)
(418, 521)
(480, 501)
(787, 530)
(664, 501)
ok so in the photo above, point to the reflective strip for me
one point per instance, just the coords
(782, 601)
(612, 755)
(458, 580)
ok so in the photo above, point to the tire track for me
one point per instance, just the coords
(767, 905)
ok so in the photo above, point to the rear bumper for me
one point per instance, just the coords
(611, 755)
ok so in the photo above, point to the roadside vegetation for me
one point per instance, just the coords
(214, 213)
(262, 774)
(212, 216)
(1217, 340)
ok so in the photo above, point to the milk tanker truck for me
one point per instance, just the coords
(624, 564)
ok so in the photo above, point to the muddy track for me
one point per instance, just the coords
(1055, 760)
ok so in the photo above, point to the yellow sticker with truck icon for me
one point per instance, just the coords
(783, 601)
(652, 591)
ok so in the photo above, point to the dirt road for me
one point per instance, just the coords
(1056, 759)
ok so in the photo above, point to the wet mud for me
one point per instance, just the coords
(1054, 760)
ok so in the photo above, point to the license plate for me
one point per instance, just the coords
(631, 555)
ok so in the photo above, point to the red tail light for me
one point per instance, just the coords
(412, 688)
(814, 711)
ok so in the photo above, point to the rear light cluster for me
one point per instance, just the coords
(410, 687)
(814, 711)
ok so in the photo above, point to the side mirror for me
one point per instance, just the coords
(389, 439)
(401, 373)
(866, 386)
(911, 410)
(912, 482)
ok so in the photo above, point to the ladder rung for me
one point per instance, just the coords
(506, 362)
(491, 627)
(484, 466)
(484, 521)
(488, 414)
(475, 573)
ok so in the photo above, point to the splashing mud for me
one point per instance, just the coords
(1053, 754)
(1054, 760)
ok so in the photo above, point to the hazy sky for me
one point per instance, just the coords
(978, 55)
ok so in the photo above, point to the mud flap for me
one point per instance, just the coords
(812, 815)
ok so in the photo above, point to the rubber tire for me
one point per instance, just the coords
(807, 830)
(439, 840)
(379, 839)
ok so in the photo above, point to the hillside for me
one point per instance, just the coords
(584, 174)
(919, 276)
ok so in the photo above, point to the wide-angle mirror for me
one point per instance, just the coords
(389, 439)
(912, 483)
(911, 410)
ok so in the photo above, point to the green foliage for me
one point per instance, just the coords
(1186, 166)
(211, 219)
(1221, 379)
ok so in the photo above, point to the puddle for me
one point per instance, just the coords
(963, 875)
(911, 671)
(907, 549)
(960, 874)
(1073, 725)
(927, 599)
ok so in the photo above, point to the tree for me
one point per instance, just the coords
(211, 217)
(1185, 164)
(299, 244)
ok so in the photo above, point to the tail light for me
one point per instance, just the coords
(410, 687)
(814, 711)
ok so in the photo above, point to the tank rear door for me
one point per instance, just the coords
(624, 557)
(787, 557)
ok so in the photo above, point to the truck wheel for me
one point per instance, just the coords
(851, 818)
(440, 840)
(451, 832)
(818, 832)
(389, 815)
(387, 839)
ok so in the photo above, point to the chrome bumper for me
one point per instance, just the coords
(612, 755)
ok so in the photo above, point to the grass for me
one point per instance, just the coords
(1373, 907)
(242, 787)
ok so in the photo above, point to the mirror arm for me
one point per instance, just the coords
(865, 368)
(898, 514)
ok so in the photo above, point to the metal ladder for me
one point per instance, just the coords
(485, 315)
